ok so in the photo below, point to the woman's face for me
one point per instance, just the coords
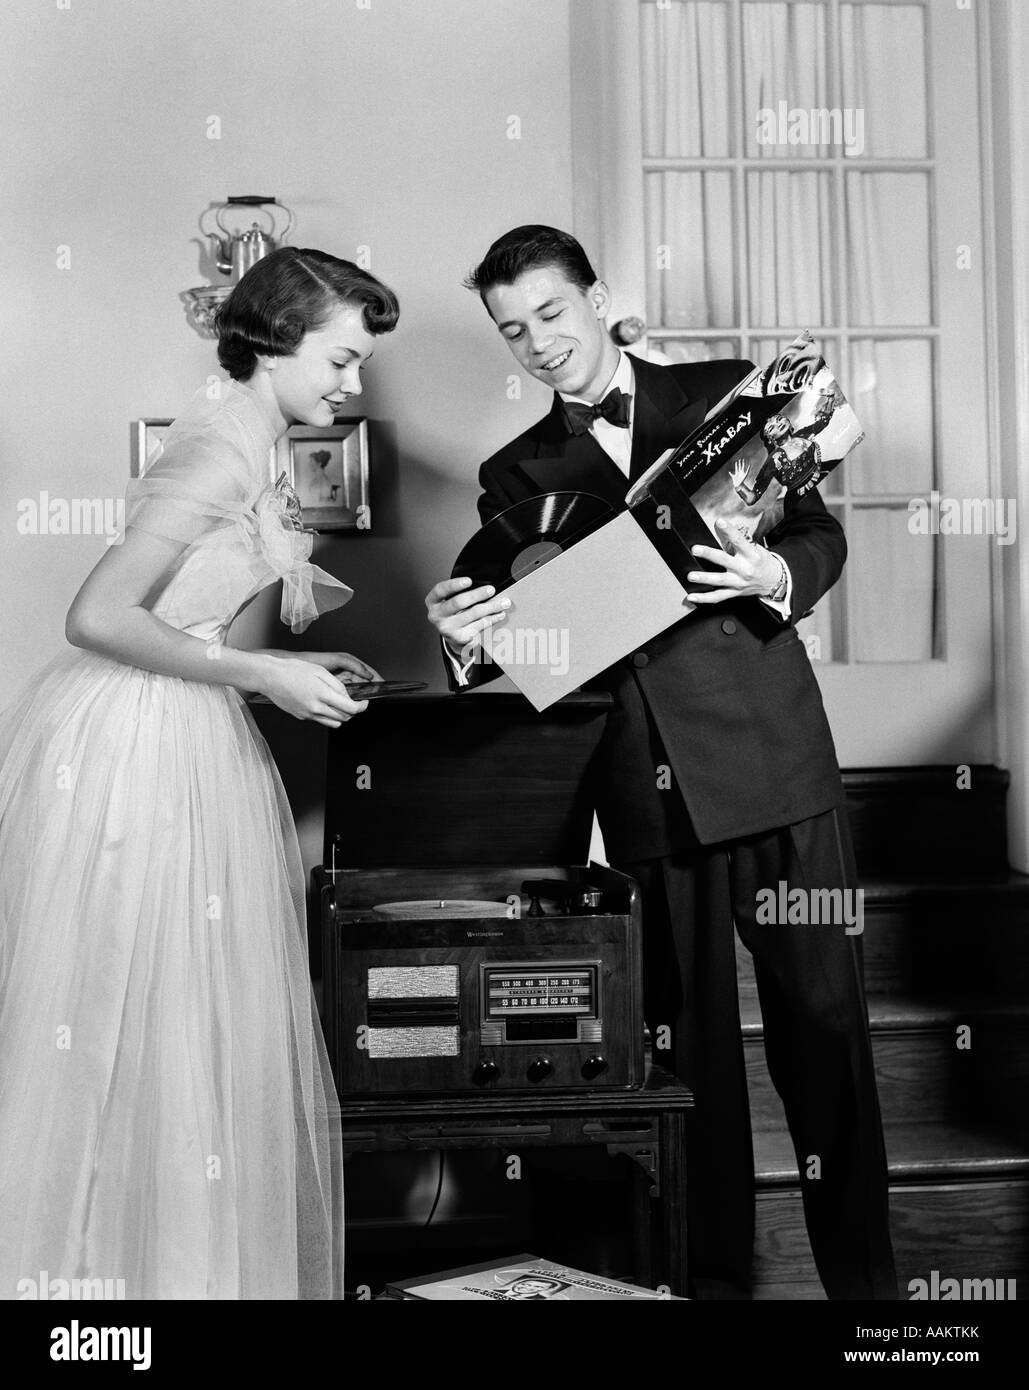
(311, 386)
(777, 429)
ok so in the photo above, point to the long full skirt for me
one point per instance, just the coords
(167, 1113)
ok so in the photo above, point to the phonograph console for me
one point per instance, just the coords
(467, 947)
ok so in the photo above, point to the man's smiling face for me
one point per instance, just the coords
(556, 330)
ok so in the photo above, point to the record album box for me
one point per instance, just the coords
(591, 605)
(586, 584)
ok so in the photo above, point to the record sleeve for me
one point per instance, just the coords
(781, 430)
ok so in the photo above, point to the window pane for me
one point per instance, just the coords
(887, 220)
(693, 349)
(891, 586)
(893, 399)
(785, 78)
(688, 76)
(824, 633)
(883, 50)
(789, 239)
(764, 351)
(691, 265)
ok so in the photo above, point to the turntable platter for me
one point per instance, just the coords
(445, 909)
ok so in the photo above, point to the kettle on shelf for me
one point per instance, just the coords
(237, 250)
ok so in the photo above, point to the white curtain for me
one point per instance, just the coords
(882, 71)
(701, 99)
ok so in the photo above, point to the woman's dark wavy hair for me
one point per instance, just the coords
(291, 292)
(526, 248)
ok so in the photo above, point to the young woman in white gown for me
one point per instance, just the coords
(167, 1114)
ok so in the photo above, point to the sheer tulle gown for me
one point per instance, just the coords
(167, 1113)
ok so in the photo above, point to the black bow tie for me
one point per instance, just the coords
(614, 408)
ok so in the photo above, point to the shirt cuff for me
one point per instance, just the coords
(782, 606)
(460, 669)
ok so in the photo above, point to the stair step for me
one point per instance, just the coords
(923, 819)
(939, 951)
(916, 1153)
(929, 938)
(890, 1014)
(966, 1230)
(921, 1073)
(887, 890)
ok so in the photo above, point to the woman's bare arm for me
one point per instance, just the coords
(107, 617)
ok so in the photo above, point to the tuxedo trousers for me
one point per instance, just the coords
(817, 1046)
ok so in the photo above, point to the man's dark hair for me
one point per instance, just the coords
(525, 248)
(291, 292)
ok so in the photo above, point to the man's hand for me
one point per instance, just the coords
(747, 568)
(460, 614)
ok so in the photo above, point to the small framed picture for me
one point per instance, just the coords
(328, 470)
(146, 435)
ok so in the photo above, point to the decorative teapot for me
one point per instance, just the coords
(236, 251)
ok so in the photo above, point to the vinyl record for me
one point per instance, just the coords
(529, 534)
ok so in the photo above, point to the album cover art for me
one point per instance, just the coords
(782, 429)
(523, 1279)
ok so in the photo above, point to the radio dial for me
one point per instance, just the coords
(594, 1066)
(485, 1072)
(539, 1068)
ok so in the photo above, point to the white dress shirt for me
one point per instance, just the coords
(615, 441)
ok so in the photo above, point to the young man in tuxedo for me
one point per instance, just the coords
(725, 702)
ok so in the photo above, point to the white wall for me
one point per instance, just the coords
(382, 123)
(1009, 109)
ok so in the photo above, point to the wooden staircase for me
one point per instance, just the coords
(946, 946)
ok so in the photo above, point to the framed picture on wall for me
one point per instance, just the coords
(146, 435)
(328, 470)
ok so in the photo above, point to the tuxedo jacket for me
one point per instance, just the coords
(718, 729)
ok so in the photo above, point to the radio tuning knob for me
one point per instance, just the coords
(485, 1072)
(594, 1066)
(539, 1068)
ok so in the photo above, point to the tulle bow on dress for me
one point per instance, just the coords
(207, 487)
(307, 590)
